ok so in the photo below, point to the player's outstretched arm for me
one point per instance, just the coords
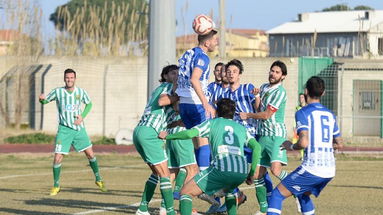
(261, 115)
(42, 99)
(166, 99)
(301, 144)
(183, 135)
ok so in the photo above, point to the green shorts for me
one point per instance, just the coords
(212, 180)
(180, 153)
(148, 145)
(67, 137)
(271, 150)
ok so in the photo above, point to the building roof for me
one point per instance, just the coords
(9, 35)
(329, 22)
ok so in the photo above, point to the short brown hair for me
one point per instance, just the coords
(203, 38)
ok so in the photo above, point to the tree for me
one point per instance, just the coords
(338, 7)
(363, 7)
(100, 26)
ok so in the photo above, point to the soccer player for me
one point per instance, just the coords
(302, 103)
(151, 148)
(71, 129)
(193, 77)
(227, 139)
(319, 135)
(271, 130)
(218, 89)
(212, 87)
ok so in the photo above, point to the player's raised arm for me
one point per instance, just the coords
(183, 135)
(195, 81)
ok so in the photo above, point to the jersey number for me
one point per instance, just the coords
(325, 125)
(229, 138)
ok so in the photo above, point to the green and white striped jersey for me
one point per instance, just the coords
(173, 116)
(154, 115)
(227, 139)
(69, 105)
(273, 98)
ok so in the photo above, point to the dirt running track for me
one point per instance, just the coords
(122, 149)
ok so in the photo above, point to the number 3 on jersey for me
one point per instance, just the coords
(229, 138)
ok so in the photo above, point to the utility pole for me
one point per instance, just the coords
(162, 39)
(222, 30)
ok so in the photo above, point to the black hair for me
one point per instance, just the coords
(218, 64)
(69, 71)
(226, 108)
(281, 65)
(203, 38)
(236, 63)
(166, 70)
(315, 87)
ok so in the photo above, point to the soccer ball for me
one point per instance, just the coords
(203, 24)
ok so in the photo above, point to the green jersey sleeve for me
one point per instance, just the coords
(52, 95)
(85, 98)
(204, 129)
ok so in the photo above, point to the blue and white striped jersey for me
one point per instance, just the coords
(215, 90)
(191, 59)
(322, 128)
(244, 100)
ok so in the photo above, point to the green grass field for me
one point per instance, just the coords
(25, 181)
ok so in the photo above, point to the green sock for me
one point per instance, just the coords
(167, 194)
(186, 204)
(56, 174)
(148, 193)
(260, 189)
(94, 165)
(180, 179)
(282, 175)
(231, 204)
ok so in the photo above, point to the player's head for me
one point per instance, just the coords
(302, 99)
(69, 78)
(209, 40)
(224, 75)
(226, 108)
(234, 70)
(217, 72)
(278, 72)
(169, 74)
(315, 87)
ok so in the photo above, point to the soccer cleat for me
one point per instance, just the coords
(241, 198)
(209, 199)
(222, 209)
(212, 209)
(176, 195)
(54, 191)
(101, 185)
(138, 212)
(162, 211)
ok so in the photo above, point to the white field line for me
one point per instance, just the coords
(113, 208)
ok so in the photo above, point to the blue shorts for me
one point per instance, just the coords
(300, 181)
(192, 114)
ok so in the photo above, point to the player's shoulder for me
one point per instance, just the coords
(248, 86)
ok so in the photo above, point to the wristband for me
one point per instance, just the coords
(292, 147)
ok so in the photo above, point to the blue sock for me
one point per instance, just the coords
(203, 157)
(275, 205)
(307, 206)
(269, 186)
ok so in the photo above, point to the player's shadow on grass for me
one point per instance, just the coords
(15, 190)
(359, 186)
(26, 212)
(126, 193)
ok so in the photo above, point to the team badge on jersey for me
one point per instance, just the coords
(78, 97)
(201, 62)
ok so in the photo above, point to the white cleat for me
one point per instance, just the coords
(138, 212)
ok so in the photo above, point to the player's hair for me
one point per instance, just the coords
(204, 38)
(226, 108)
(315, 87)
(218, 64)
(166, 70)
(281, 65)
(69, 71)
(236, 63)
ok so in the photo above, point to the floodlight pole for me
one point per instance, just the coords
(162, 39)
(222, 30)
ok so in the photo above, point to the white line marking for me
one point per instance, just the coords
(114, 208)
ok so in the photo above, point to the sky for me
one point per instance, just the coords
(248, 14)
